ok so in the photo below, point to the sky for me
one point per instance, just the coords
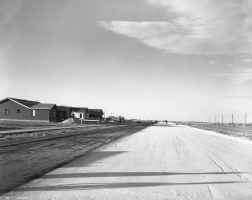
(183, 60)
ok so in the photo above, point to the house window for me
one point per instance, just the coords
(18, 111)
(7, 111)
(80, 116)
(33, 113)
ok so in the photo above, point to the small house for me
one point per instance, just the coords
(95, 114)
(22, 109)
(45, 112)
(80, 113)
(63, 113)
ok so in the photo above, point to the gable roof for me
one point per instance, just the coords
(64, 108)
(46, 106)
(23, 102)
(95, 111)
(80, 109)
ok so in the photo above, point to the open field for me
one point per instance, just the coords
(19, 125)
(240, 131)
(13, 137)
(14, 131)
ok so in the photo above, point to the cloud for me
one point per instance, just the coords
(242, 75)
(161, 35)
(193, 27)
(231, 65)
(238, 75)
(248, 60)
(211, 62)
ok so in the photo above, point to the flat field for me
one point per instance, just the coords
(235, 130)
(19, 125)
(11, 131)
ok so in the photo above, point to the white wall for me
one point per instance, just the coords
(77, 115)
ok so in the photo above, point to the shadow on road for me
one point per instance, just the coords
(165, 125)
(123, 174)
(93, 157)
(95, 186)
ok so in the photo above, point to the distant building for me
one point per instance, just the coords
(95, 114)
(20, 109)
(115, 119)
(80, 113)
(63, 113)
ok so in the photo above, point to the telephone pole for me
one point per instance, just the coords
(232, 118)
(245, 118)
(222, 119)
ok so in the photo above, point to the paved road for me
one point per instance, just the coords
(160, 162)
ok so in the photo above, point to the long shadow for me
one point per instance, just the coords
(123, 174)
(165, 125)
(95, 186)
(25, 174)
(93, 157)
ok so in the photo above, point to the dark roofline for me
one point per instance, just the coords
(65, 108)
(23, 102)
(96, 110)
(78, 109)
(43, 106)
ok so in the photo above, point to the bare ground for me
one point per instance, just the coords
(160, 162)
(22, 163)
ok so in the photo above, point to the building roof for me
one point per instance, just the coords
(80, 109)
(24, 102)
(95, 111)
(64, 108)
(46, 106)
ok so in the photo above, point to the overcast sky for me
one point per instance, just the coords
(148, 59)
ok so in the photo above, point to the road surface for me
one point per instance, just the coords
(160, 162)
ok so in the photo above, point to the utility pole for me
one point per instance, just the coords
(245, 118)
(214, 119)
(209, 119)
(232, 118)
(222, 119)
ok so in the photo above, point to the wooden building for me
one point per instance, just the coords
(80, 113)
(45, 112)
(20, 109)
(63, 113)
(95, 114)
